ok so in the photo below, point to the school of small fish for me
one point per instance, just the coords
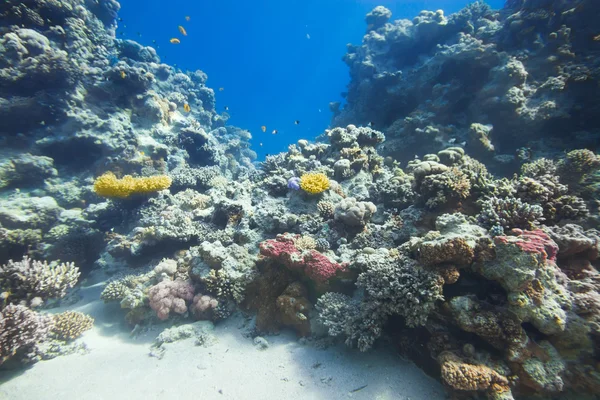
(186, 107)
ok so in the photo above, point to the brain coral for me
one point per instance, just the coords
(108, 185)
(314, 183)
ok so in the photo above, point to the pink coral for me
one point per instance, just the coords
(536, 241)
(203, 305)
(170, 296)
(315, 265)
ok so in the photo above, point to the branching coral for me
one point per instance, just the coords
(509, 213)
(401, 287)
(26, 280)
(21, 329)
(577, 165)
(108, 185)
(70, 325)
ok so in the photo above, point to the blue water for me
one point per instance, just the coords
(271, 72)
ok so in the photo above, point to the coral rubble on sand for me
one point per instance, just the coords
(462, 216)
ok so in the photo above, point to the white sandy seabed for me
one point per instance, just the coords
(120, 367)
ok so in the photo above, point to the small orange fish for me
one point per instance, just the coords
(187, 17)
(221, 89)
(123, 75)
(175, 41)
(263, 128)
(182, 30)
(187, 108)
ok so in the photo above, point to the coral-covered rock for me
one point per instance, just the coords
(314, 264)
(525, 266)
(294, 308)
(535, 242)
(455, 241)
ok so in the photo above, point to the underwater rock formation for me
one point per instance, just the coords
(496, 81)
(484, 248)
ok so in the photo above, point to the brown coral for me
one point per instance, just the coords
(294, 307)
(70, 325)
(325, 209)
(463, 376)
(455, 250)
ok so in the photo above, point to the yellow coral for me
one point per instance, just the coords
(314, 183)
(70, 325)
(108, 185)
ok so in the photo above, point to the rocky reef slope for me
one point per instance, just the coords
(511, 84)
(112, 161)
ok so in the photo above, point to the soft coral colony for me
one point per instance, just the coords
(352, 236)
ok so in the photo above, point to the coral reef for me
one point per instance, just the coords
(497, 81)
(459, 222)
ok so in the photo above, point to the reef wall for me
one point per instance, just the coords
(510, 84)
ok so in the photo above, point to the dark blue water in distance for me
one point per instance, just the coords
(260, 53)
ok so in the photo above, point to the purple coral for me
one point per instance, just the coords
(21, 330)
(294, 183)
(170, 296)
(203, 305)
